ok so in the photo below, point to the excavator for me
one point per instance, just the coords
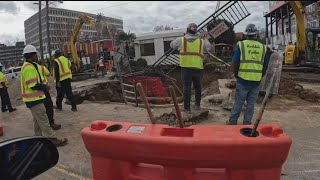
(83, 19)
(306, 51)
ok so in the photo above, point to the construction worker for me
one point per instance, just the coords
(63, 76)
(101, 66)
(33, 94)
(250, 64)
(5, 99)
(48, 103)
(191, 62)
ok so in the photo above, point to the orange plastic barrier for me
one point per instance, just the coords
(127, 151)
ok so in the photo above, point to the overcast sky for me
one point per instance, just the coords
(138, 16)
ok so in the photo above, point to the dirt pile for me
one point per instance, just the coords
(288, 86)
(211, 89)
(231, 85)
(171, 118)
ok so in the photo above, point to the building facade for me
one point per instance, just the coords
(61, 25)
(11, 55)
(151, 46)
(281, 25)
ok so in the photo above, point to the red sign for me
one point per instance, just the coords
(219, 29)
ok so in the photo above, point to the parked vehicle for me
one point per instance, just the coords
(13, 73)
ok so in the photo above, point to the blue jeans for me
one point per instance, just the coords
(189, 76)
(244, 93)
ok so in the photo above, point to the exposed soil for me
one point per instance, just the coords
(290, 87)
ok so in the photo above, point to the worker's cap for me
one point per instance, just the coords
(29, 49)
(56, 52)
(192, 27)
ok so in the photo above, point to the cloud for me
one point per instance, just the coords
(138, 16)
(9, 7)
(11, 39)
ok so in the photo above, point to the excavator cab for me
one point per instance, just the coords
(312, 46)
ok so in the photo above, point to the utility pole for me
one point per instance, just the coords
(40, 32)
(48, 34)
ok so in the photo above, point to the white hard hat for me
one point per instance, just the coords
(29, 49)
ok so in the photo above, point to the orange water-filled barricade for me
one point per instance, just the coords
(129, 151)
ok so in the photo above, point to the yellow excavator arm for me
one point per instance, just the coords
(82, 19)
(298, 11)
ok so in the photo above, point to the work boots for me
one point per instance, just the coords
(55, 126)
(59, 142)
(74, 107)
(58, 108)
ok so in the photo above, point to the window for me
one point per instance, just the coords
(147, 49)
(313, 7)
(166, 45)
(17, 70)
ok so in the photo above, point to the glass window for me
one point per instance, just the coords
(147, 49)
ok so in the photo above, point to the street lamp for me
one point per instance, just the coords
(48, 31)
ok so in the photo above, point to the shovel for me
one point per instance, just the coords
(270, 85)
(176, 105)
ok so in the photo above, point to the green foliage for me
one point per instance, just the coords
(227, 37)
(127, 38)
(140, 64)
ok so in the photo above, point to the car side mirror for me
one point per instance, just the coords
(26, 157)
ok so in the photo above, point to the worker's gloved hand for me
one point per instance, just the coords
(58, 84)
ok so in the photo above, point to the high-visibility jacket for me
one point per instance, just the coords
(251, 60)
(64, 68)
(45, 73)
(3, 79)
(191, 53)
(29, 78)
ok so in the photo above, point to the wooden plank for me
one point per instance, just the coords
(130, 92)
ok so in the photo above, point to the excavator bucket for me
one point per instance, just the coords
(275, 62)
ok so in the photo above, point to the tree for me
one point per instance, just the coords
(262, 35)
(127, 39)
(162, 28)
(227, 37)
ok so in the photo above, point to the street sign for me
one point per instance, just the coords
(219, 29)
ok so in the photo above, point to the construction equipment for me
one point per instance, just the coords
(83, 19)
(306, 51)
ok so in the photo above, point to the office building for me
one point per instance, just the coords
(11, 55)
(61, 22)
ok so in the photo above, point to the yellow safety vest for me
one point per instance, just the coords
(3, 79)
(191, 53)
(44, 74)
(29, 78)
(64, 68)
(251, 60)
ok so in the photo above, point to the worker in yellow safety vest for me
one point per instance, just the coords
(45, 73)
(33, 94)
(5, 99)
(191, 49)
(250, 63)
(63, 77)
